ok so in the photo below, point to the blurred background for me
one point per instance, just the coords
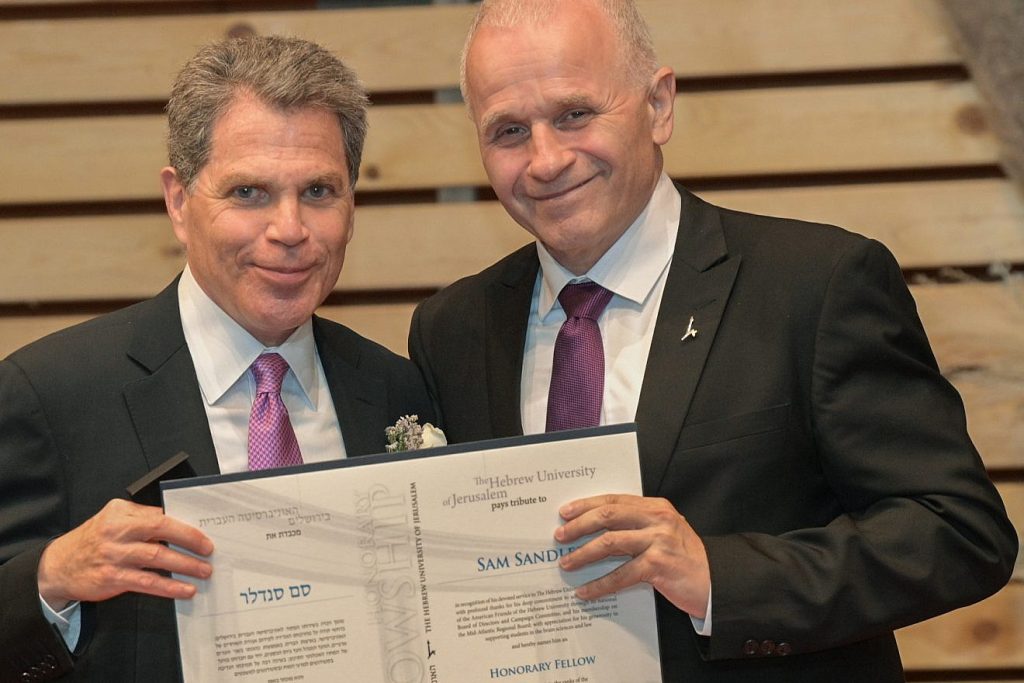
(899, 119)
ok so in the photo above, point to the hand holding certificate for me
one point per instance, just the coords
(436, 568)
(665, 550)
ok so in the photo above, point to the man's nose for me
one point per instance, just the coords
(286, 224)
(550, 156)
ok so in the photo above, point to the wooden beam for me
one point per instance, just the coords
(728, 37)
(386, 324)
(17, 330)
(135, 58)
(96, 258)
(874, 127)
(977, 332)
(925, 224)
(990, 35)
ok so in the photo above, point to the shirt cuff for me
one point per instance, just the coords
(68, 621)
(703, 626)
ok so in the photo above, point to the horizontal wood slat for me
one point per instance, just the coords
(56, 60)
(753, 132)
(977, 332)
(925, 224)
(747, 132)
(829, 129)
(95, 258)
(18, 330)
(987, 635)
(386, 324)
(700, 38)
(81, 159)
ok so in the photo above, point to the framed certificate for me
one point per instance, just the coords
(435, 565)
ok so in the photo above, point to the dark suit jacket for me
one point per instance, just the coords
(87, 411)
(805, 433)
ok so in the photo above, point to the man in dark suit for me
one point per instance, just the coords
(809, 482)
(265, 140)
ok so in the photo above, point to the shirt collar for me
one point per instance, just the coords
(222, 350)
(631, 267)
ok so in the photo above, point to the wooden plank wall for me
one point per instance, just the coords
(856, 113)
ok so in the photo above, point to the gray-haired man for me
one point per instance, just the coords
(265, 140)
(809, 482)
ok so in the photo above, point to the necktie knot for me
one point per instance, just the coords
(584, 300)
(269, 370)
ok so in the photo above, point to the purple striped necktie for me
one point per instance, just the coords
(577, 370)
(272, 441)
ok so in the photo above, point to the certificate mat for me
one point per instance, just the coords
(431, 566)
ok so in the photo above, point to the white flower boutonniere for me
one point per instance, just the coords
(409, 435)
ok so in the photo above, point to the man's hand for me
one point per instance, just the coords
(666, 552)
(113, 553)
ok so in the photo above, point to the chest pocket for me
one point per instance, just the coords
(734, 427)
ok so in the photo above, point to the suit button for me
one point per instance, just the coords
(750, 647)
(767, 647)
(783, 649)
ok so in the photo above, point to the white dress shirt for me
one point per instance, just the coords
(634, 269)
(222, 352)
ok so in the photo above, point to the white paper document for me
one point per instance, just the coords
(431, 566)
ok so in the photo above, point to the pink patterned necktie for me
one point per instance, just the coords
(577, 371)
(272, 440)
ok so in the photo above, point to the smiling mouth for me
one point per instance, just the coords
(286, 270)
(285, 273)
(561, 193)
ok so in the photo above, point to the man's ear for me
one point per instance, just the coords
(351, 231)
(662, 100)
(176, 201)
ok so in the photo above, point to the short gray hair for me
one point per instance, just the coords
(286, 73)
(632, 31)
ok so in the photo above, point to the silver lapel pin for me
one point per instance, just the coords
(691, 331)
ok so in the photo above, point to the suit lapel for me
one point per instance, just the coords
(699, 282)
(508, 310)
(360, 397)
(167, 406)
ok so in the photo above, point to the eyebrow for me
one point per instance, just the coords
(238, 180)
(337, 179)
(493, 119)
(574, 100)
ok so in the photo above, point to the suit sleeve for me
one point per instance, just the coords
(33, 509)
(922, 529)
